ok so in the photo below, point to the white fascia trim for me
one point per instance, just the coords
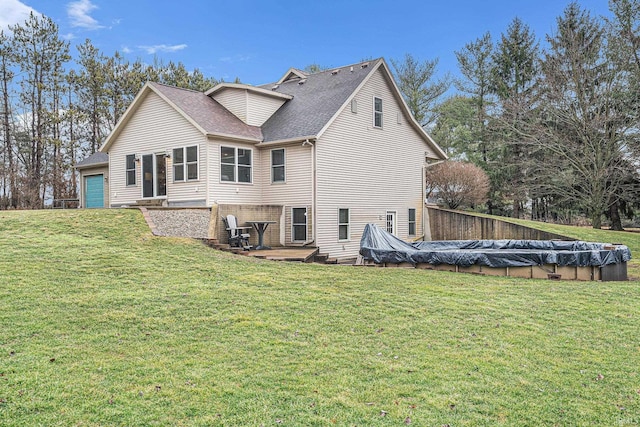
(232, 137)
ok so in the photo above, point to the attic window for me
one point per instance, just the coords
(377, 112)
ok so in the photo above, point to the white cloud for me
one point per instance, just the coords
(14, 12)
(162, 48)
(126, 49)
(235, 58)
(68, 36)
(78, 12)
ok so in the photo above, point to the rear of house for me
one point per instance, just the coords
(321, 154)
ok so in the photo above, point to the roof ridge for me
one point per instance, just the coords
(175, 87)
(332, 69)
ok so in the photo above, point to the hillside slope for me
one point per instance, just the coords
(104, 324)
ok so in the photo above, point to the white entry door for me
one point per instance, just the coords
(391, 222)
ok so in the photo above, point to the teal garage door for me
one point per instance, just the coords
(94, 191)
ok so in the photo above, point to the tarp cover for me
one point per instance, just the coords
(379, 246)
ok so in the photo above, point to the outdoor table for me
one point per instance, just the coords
(260, 227)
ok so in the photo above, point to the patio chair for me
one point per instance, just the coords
(238, 237)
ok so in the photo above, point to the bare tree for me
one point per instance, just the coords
(457, 184)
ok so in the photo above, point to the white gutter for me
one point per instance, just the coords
(304, 139)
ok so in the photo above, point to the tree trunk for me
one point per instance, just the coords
(614, 215)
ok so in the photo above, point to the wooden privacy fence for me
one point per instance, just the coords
(454, 225)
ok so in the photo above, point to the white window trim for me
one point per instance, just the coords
(284, 165)
(235, 181)
(185, 168)
(376, 112)
(348, 224)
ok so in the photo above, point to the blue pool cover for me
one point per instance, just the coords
(379, 246)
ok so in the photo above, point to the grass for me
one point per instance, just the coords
(104, 324)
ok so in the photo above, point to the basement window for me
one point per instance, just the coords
(412, 221)
(343, 224)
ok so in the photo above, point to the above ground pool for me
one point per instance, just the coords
(520, 258)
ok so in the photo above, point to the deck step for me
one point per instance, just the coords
(321, 258)
(331, 261)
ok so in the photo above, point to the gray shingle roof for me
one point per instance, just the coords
(97, 158)
(208, 113)
(314, 102)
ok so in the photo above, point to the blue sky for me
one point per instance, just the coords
(258, 41)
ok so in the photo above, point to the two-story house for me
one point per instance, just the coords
(328, 152)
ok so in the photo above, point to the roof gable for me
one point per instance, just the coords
(386, 72)
(316, 100)
(203, 112)
(292, 74)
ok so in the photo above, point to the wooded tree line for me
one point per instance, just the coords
(55, 111)
(557, 129)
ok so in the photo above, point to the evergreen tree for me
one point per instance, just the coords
(92, 92)
(418, 87)
(40, 54)
(514, 71)
(475, 61)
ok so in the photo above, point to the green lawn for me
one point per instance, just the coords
(103, 324)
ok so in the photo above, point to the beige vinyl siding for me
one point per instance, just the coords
(298, 186)
(234, 192)
(296, 191)
(234, 100)
(156, 127)
(368, 170)
(261, 107)
(252, 108)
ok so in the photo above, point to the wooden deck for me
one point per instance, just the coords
(285, 254)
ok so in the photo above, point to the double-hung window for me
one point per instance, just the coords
(343, 224)
(235, 164)
(377, 112)
(131, 169)
(277, 165)
(412, 221)
(185, 163)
